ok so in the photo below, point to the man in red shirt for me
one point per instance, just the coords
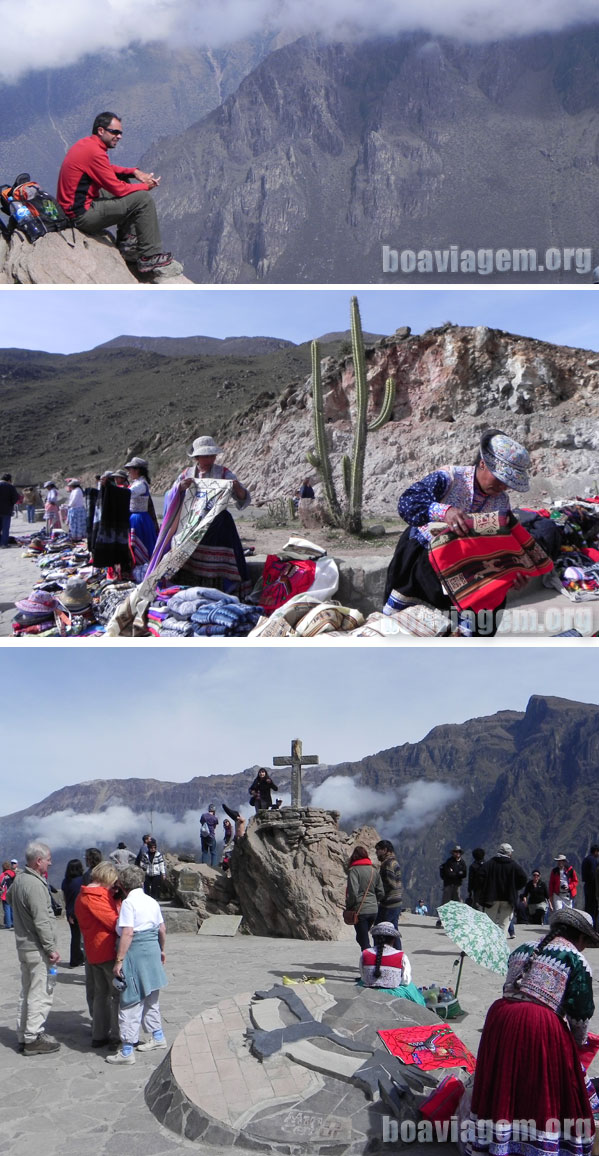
(96, 194)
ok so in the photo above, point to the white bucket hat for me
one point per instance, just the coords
(137, 463)
(204, 447)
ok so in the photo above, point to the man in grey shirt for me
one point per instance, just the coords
(35, 939)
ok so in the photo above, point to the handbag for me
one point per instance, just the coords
(349, 915)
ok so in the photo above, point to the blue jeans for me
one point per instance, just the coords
(8, 920)
(31, 513)
(4, 528)
(209, 850)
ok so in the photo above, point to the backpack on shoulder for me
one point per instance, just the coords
(31, 210)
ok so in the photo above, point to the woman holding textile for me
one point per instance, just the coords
(139, 967)
(76, 511)
(529, 1059)
(218, 559)
(51, 510)
(142, 518)
(462, 547)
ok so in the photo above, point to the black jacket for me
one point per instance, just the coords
(536, 893)
(261, 790)
(8, 498)
(453, 871)
(503, 879)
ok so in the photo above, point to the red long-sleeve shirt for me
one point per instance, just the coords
(85, 170)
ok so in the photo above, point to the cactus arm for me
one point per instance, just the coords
(386, 407)
(354, 521)
(321, 459)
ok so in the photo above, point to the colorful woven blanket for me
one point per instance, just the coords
(428, 1047)
(478, 571)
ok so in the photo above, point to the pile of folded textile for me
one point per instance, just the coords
(200, 611)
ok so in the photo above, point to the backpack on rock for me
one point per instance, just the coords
(31, 210)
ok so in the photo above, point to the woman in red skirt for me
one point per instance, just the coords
(530, 1094)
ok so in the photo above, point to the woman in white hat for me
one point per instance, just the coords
(218, 560)
(76, 511)
(142, 518)
(51, 509)
(529, 1068)
(469, 501)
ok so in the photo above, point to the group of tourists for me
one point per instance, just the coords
(119, 927)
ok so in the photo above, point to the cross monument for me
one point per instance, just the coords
(297, 761)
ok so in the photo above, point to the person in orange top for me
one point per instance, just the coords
(96, 908)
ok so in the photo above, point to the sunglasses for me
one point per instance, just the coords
(114, 131)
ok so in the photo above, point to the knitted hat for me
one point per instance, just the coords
(507, 460)
(580, 920)
(204, 447)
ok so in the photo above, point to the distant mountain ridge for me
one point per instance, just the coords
(525, 777)
(325, 153)
(200, 346)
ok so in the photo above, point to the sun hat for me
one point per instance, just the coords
(580, 920)
(118, 474)
(71, 482)
(37, 545)
(14, 861)
(136, 463)
(505, 849)
(507, 460)
(75, 596)
(204, 447)
(49, 485)
(560, 858)
(38, 602)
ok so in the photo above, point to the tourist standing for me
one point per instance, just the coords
(261, 791)
(71, 886)
(390, 909)
(535, 898)
(152, 863)
(209, 823)
(76, 511)
(6, 879)
(588, 872)
(563, 884)
(97, 909)
(9, 496)
(51, 510)
(476, 874)
(122, 857)
(364, 893)
(503, 879)
(453, 872)
(35, 940)
(139, 963)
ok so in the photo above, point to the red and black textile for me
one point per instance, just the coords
(478, 570)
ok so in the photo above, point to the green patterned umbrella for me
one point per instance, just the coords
(476, 935)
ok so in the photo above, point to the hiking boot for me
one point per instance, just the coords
(119, 1058)
(129, 248)
(150, 264)
(152, 1045)
(42, 1046)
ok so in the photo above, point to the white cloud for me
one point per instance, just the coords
(411, 807)
(33, 38)
(106, 828)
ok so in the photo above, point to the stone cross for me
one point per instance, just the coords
(297, 761)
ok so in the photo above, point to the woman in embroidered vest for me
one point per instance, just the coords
(364, 893)
(51, 511)
(143, 525)
(456, 496)
(387, 966)
(218, 560)
(531, 1050)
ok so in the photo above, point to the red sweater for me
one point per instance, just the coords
(97, 912)
(85, 170)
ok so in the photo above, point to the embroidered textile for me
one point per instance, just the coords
(429, 499)
(428, 1047)
(559, 977)
(478, 571)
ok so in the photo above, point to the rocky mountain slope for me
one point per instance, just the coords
(71, 258)
(526, 777)
(159, 91)
(451, 383)
(325, 153)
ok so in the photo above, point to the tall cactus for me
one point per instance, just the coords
(350, 515)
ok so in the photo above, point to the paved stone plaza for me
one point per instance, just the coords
(73, 1102)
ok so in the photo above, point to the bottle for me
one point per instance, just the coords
(51, 979)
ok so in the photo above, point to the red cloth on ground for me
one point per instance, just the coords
(478, 571)
(528, 1067)
(428, 1047)
(283, 579)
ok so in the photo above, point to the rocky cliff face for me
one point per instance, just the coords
(290, 872)
(451, 383)
(68, 258)
(326, 153)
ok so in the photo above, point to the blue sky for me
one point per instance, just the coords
(70, 320)
(172, 713)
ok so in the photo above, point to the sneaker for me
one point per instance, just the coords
(119, 1058)
(158, 261)
(42, 1046)
(129, 248)
(152, 1045)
